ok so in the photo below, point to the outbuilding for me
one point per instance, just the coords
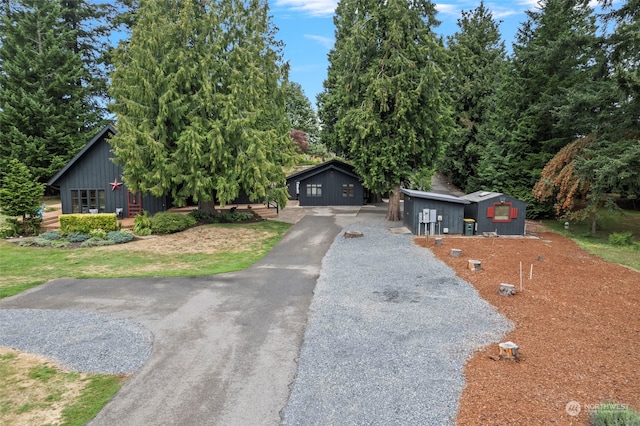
(446, 212)
(92, 183)
(332, 183)
(496, 212)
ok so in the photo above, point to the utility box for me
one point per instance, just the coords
(469, 226)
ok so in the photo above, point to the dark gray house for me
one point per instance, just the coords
(496, 212)
(92, 183)
(448, 216)
(332, 183)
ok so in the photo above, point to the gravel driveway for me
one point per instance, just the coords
(390, 330)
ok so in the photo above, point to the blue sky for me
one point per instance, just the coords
(306, 28)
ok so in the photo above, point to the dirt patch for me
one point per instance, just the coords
(576, 324)
(201, 239)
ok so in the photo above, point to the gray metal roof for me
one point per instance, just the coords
(478, 196)
(434, 196)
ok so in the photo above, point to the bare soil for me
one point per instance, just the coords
(576, 324)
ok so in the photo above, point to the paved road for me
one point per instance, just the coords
(225, 346)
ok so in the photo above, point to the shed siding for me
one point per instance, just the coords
(452, 214)
(478, 212)
(331, 181)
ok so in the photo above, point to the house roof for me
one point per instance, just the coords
(434, 196)
(99, 136)
(342, 167)
(478, 196)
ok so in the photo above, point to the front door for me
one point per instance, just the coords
(134, 204)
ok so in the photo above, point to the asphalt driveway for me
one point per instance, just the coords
(225, 346)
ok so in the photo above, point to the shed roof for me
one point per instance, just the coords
(345, 168)
(434, 196)
(476, 197)
(108, 128)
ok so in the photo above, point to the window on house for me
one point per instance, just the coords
(84, 200)
(348, 190)
(502, 212)
(314, 190)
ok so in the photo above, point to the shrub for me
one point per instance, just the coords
(86, 222)
(621, 239)
(202, 216)
(611, 414)
(168, 222)
(77, 237)
(98, 233)
(35, 242)
(60, 243)
(227, 216)
(96, 242)
(142, 224)
(10, 228)
(50, 235)
(120, 237)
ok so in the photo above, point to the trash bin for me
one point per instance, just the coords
(469, 226)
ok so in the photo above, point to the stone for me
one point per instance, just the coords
(353, 234)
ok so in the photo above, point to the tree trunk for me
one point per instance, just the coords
(393, 213)
(208, 207)
(594, 223)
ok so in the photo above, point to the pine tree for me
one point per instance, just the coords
(46, 107)
(477, 58)
(20, 194)
(200, 104)
(382, 105)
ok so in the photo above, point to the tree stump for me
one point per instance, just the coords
(507, 289)
(475, 265)
(455, 253)
(438, 241)
(353, 234)
(509, 350)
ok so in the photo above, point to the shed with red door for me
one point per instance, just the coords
(496, 212)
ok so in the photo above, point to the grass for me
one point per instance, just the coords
(609, 222)
(34, 392)
(25, 267)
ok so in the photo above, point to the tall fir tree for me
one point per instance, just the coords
(300, 112)
(477, 59)
(553, 55)
(382, 104)
(198, 94)
(47, 104)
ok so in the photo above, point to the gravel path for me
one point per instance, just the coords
(81, 341)
(389, 332)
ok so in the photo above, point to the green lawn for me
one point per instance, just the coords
(25, 267)
(609, 222)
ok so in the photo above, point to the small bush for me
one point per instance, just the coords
(98, 233)
(61, 243)
(168, 222)
(119, 237)
(142, 224)
(96, 242)
(50, 235)
(227, 216)
(77, 237)
(34, 242)
(202, 216)
(10, 228)
(611, 414)
(621, 239)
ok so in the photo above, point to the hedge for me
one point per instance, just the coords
(87, 222)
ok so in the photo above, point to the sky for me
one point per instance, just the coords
(307, 30)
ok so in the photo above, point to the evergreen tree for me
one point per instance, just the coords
(20, 194)
(555, 53)
(304, 120)
(47, 110)
(200, 104)
(477, 58)
(382, 105)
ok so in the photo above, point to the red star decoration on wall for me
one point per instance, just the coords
(115, 184)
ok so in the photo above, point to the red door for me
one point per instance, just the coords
(134, 204)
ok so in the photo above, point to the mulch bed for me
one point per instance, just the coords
(577, 325)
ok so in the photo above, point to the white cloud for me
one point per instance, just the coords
(312, 7)
(326, 42)
(448, 9)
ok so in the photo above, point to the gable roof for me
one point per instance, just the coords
(99, 136)
(338, 165)
(434, 196)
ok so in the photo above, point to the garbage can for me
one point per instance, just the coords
(469, 226)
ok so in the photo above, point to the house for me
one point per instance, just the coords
(332, 183)
(92, 183)
(496, 212)
(446, 212)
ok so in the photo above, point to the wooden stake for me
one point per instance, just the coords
(521, 276)
(531, 273)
